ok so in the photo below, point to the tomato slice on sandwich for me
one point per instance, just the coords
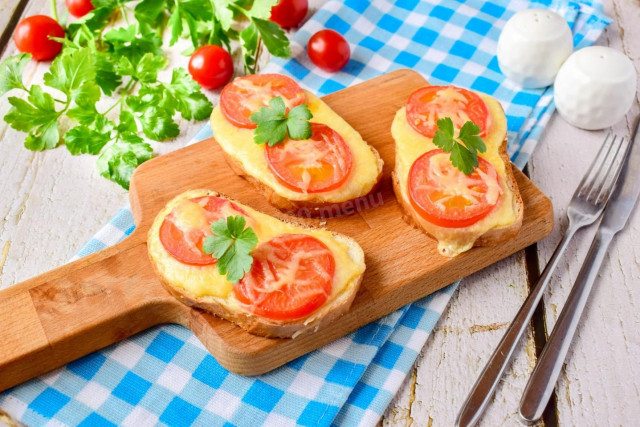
(447, 197)
(291, 276)
(184, 229)
(246, 95)
(320, 163)
(429, 104)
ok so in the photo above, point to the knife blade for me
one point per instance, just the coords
(627, 189)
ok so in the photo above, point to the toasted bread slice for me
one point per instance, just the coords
(502, 224)
(204, 288)
(247, 159)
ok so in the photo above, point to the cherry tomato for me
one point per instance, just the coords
(79, 8)
(444, 196)
(291, 276)
(289, 13)
(211, 66)
(246, 95)
(32, 36)
(320, 163)
(328, 50)
(429, 104)
(184, 229)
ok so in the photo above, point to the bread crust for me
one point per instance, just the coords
(257, 325)
(315, 206)
(492, 237)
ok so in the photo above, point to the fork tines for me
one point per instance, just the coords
(597, 184)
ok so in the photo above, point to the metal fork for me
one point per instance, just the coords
(587, 204)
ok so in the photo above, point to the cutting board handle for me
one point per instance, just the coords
(79, 308)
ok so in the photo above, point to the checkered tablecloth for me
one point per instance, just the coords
(165, 375)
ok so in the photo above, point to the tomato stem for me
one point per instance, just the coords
(54, 10)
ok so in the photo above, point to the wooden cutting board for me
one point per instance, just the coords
(105, 297)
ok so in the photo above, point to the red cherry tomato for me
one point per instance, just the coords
(328, 50)
(246, 95)
(320, 163)
(79, 8)
(444, 196)
(32, 36)
(291, 276)
(184, 229)
(429, 104)
(211, 66)
(289, 13)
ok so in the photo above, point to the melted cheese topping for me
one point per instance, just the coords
(238, 143)
(204, 281)
(264, 94)
(458, 184)
(410, 145)
(447, 99)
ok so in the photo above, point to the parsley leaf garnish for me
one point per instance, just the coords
(231, 243)
(274, 124)
(11, 70)
(465, 148)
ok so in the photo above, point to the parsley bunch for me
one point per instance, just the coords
(464, 148)
(231, 243)
(124, 63)
(274, 123)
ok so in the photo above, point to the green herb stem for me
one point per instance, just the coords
(115, 104)
(123, 11)
(54, 10)
(258, 53)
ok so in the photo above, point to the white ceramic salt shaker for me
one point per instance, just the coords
(532, 46)
(595, 87)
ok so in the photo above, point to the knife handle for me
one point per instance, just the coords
(545, 375)
(489, 379)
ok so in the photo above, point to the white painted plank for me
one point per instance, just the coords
(52, 202)
(459, 347)
(600, 384)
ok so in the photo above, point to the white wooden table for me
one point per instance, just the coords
(51, 203)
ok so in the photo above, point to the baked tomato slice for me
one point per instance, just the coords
(447, 197)
(184, 229)
(246, 95)
(429, 104)
(291, 276)
(320, 163)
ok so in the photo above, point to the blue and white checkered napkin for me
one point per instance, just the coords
(166, 376)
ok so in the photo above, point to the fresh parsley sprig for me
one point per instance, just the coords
(274, 124)
(464, 148)
(65, 108)
(231, 243)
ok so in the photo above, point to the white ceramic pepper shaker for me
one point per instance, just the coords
(532, 46)
(595, 87)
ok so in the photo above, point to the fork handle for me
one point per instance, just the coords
(545, 375)
(485, 386)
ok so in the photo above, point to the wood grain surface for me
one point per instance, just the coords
(107, 296)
